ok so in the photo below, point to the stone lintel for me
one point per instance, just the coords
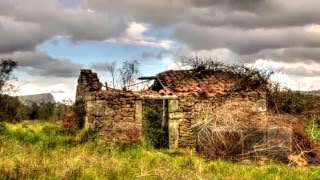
(158, 97)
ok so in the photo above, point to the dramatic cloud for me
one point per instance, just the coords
(39, 63)
(255, 13)
(241, 13)
(246, 41)
(19, 35)
(242, 26)
(297, 54)
(297, 69)
(153, 12)
(134, 35)
(246, 27)
(283, 34)
(23, 25)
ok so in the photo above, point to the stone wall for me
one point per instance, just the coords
(118, 114)
(188, 109)
(115, 114)
(88, 81)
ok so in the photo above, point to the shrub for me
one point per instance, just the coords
(51, 130)
(25, 136)
(3, 128)
(313, 128)
(8, 110)
(23, 112)
(246, 78)
(283, 100)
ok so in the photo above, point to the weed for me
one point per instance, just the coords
(188, 163)
(86, 135)
(17, 171)
(313, 129)
(112, 174)
(74, 173)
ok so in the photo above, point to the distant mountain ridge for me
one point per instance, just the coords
(37, 98)
(313, 92)
(317, 92)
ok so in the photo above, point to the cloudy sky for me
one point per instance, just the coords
(53, 39)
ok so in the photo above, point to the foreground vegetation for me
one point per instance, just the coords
(42, 150)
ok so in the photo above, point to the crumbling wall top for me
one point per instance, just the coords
(88, 82)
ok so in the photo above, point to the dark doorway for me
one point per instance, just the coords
(155, 122)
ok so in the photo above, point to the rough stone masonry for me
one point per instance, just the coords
(117, 114)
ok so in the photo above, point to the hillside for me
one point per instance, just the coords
(37, 98)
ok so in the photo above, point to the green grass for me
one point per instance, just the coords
(313, 129)
(45, 151)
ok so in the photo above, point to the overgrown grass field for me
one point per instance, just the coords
(42, 150)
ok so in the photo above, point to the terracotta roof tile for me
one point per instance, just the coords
(189, 81)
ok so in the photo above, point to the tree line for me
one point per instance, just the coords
(13, 110)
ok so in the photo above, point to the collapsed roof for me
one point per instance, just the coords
(199, 81)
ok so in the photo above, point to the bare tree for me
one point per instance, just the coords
(111, 68)
(129, 72)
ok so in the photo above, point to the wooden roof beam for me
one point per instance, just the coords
(147, 78)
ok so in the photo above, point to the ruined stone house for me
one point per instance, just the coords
(187, 96)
